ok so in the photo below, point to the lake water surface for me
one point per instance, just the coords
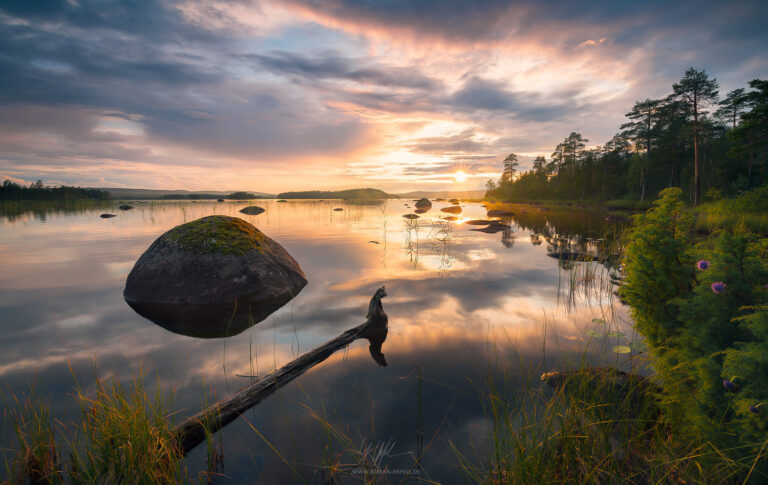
(464, 306)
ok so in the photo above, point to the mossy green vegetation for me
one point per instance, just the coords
(702, 306)
(216, 234)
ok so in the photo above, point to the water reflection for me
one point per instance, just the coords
(460, 301)
(207, 321)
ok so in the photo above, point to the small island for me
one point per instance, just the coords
(351, 194)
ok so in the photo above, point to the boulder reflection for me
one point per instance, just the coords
(208, 321)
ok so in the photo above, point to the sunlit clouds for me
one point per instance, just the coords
(271, 96)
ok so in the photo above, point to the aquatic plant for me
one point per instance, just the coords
(702, 264)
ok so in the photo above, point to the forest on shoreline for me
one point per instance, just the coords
(37, 191)
(692, 139)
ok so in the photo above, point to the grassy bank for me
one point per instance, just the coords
(622, 205)
(746, 213)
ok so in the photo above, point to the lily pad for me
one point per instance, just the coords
(622, 349)
(614, 334)
(594, 333)
(598, 321)
(639, 345)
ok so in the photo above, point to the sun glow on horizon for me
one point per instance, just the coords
(460, 176)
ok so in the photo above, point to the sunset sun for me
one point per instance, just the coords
(460, 176)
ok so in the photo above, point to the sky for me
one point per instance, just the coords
(277, 95)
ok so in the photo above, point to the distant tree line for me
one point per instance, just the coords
(37, 191)
(337, 194)
(692, 139)
(233, 195)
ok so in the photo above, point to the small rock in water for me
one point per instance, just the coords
(479, 222)
(282, 200)
(450, 218)
(374, 242)
(125, 207)
(411, 216)
(423, 203)
(452, 209)
(107, 216)
(420, 211)
(252, 210)
(219, 200)
(338, 209)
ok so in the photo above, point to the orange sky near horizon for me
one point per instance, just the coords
(272, 96)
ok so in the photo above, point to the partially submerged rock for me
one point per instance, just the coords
(338, 209)
(219, 200)
(411, 216)
(423, 203)
(454, 209)
(125, 207)
(107, 216)
(479, 222)
(450, 218)
(500, 213)
(212, 277)
(252, 210)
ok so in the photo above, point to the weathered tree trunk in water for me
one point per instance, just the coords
(193, 430)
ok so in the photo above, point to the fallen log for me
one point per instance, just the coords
(192, 431)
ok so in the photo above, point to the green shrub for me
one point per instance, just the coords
(705, 323)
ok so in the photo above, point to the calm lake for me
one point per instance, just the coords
(464, 307)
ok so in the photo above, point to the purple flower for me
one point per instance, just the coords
(703, 264)
(729, 385)
(719, 287)
(754, 409)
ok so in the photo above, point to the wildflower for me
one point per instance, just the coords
(719, 287)
(755, 409)
(729, 385)
(702, 264)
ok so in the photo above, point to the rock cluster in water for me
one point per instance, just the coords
(212, 277)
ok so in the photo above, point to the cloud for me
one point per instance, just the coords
(329, 65)
(245, 90)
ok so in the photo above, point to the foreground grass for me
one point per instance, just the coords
(589, 425)
(594, 426)
(122, 436)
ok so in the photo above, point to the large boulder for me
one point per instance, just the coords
(212, 277)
